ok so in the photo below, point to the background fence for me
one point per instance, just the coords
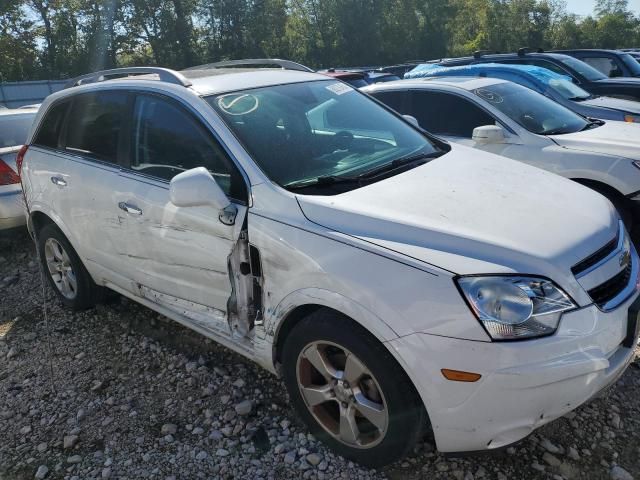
(17, 94)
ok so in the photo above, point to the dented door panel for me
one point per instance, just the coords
(181, 252)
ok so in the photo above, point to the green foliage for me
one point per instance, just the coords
(63, 38)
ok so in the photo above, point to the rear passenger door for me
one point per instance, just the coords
(81, 141)
(179, 257)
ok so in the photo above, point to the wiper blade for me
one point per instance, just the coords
(401, 162)
(581, 99)
(327, 180)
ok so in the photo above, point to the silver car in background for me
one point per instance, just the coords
(14, 128)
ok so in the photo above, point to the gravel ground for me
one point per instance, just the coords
(121, 392)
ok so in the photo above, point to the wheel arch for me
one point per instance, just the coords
(600, 187)
(299, 304)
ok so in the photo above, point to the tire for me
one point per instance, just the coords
(64, 270)
(402, 418)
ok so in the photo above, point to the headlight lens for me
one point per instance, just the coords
(515, 307)
(631, 118)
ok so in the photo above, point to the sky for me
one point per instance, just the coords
(585, 7)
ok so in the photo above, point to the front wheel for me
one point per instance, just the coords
(350, 391)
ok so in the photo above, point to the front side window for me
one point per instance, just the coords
(448, 114)
(94, 125)
(14, 129)
(168, 140)
(301, 132)
(531, 110)
(608, 66)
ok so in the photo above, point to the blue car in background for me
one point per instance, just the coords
(553, 85)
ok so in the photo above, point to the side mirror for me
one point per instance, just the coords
(197, 188)
(488, 134)
(412, 120)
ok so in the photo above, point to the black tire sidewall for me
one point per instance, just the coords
(407, 416)
(84, 295)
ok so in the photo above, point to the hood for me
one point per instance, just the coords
(473, 212)
(627, 106)
(613, 138)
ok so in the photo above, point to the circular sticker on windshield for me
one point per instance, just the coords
(488, 95)
(238, 103)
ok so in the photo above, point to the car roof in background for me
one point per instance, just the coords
(464, 83)
(505, 56)
(18, 111)
(532, 72)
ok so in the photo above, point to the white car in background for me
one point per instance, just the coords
(505, 118)
(397, 283)
(14, 128)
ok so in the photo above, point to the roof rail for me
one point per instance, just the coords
(523, 51)
(255, 62)
(480, 53)
(165, 74)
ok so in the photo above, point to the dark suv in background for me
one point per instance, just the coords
(612, 63)
(590, 79)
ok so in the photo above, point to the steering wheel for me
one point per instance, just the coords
(342, 140)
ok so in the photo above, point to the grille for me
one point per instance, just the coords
(612, 287)
(594, 258)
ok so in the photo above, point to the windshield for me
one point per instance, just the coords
(587, 71)
(14, 129)
(631, 63)
(568, 89)
(533, 111)
(303, 131)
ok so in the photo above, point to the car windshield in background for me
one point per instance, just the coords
(14, 129)
(568, 89)
(533, 111)
(304, 132)
(587, 71)
(631, 63)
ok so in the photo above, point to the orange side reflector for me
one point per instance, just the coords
(458, 376)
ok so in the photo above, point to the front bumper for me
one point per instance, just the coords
(524, 384)
(12, 212)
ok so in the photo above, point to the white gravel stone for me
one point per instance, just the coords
(619, 473)
(42, 472)
(244, 408)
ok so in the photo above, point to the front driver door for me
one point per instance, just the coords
(179, 257)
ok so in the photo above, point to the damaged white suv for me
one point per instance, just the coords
(399, 284)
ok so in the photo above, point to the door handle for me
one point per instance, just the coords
(59, 181)
(129, 208)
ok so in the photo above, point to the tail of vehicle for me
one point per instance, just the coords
(8, 176)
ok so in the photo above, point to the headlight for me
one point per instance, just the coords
(515, 307)
(631, 118)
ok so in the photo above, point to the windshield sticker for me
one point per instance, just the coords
(238, 103)
(488, 95)
(339, 88)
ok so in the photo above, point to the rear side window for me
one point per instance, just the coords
(95, 123)
(448, 114)
(14, 129)
(49, 131)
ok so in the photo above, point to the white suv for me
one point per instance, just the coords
(396, 282)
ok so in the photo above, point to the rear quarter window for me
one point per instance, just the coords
(48, 134)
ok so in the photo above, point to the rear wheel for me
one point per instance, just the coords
(64, 271)
(350, 391)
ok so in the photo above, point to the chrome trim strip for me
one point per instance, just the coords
(631, 287)
(622, 233)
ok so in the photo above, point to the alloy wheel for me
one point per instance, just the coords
(342, 394)
(60, 269)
